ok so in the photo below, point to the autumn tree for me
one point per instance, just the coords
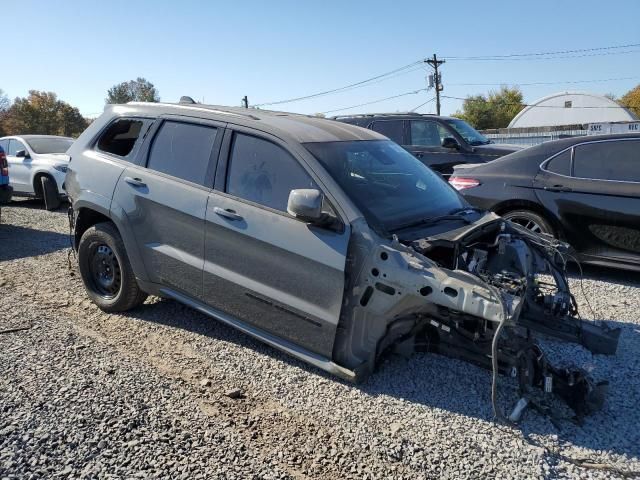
(139, 90)
(494, 110)
(43, 113)
(5, 103)
(631, 100)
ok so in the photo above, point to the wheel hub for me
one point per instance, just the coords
(528, 224)
(105, 271)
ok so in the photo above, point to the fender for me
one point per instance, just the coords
(103, 205)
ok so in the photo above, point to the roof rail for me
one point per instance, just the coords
(202, 107)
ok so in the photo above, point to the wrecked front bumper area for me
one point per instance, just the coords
(479, 295)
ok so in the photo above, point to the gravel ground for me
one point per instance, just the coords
(85, 394)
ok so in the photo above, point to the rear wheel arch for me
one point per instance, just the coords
(85, 219)
(89, 213)
(517, 204)
(106, 271)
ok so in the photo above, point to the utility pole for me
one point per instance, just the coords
(245, 102)
(435, 63)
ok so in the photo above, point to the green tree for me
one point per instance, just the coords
(138, 90)
(494, 110)
(44, 114)
(631, 100)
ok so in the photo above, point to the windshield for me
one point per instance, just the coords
(389, 185)
(466, 131)
(49, 145)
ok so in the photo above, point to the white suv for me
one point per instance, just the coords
(37, 166)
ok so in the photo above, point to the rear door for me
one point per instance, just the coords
(19, 167)
(395, 130)
(594, 189)
(262, 265)
(164, 198)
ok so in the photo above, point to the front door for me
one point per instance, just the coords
(596, 194)
(165, 200)
(19, 167)
(426, 138)
(262, 265)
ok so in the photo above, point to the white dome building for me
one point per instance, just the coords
(571, 108)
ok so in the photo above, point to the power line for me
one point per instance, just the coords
(342, 89)
(422, 104)
(543, 83)
(559, 57)
(414, 66)
(540, 106)
(539, 54)
(377, 101)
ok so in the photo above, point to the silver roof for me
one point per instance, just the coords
(302, 128)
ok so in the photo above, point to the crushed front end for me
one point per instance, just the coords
(479, 294)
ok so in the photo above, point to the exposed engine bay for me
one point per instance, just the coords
(477, 294)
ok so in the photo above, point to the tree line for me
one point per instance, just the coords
(497, 108)
(43, 113)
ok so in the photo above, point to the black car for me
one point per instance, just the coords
(439, 142)
(585, 190)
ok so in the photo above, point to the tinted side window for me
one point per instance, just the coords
(15, 146)
(561, 164)
(429, 134)
(264, 173)
(183, 150)
(121, 136)
(616, 160)
(391, 129)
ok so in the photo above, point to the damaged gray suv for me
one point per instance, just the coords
(322, 239)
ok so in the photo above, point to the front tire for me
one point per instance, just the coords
(532, 221)
(50, 193)
(105, 269)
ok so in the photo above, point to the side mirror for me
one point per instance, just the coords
(22, 154)
(450, 142)
(306, 204)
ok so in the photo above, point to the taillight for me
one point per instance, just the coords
(461, 183)
(4, 166)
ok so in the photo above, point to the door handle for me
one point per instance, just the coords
(227, 213)
(136, 182)
(558, 188)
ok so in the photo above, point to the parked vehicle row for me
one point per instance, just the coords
(38, 165)
(585, 190)
(325, 240)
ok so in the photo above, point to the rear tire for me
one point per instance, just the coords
(105, 269)
(532, 221)
(50, 193)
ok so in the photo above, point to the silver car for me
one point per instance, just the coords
(37, 166)
(322, 239)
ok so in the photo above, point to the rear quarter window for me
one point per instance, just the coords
(122, 136)
(560, 164)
